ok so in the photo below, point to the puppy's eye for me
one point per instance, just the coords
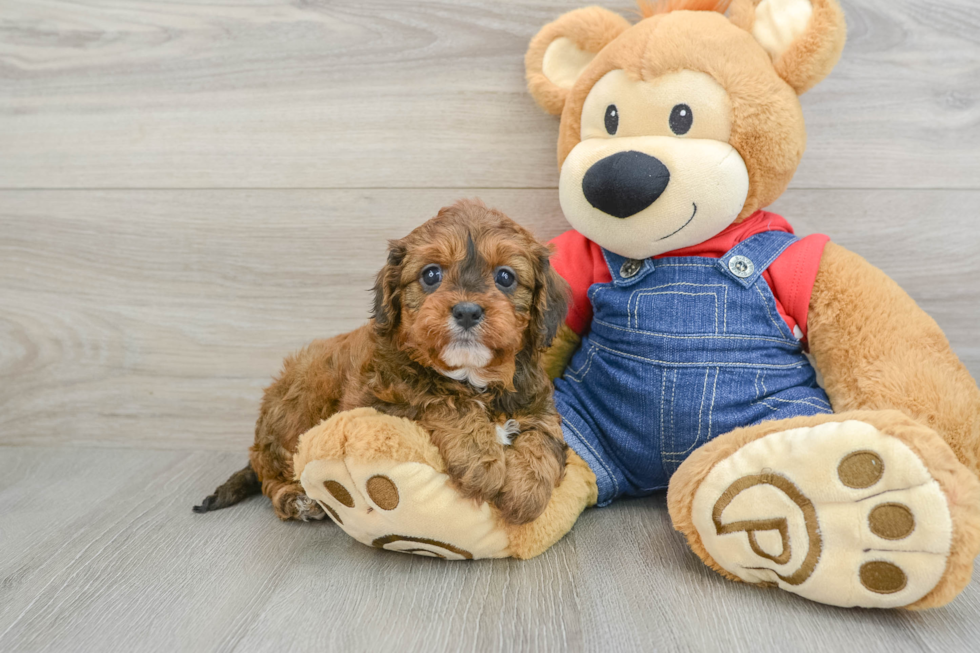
(431, 277)
(505, 278)
(681, 119)
(612, 119)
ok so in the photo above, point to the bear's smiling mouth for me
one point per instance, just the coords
(683, 225)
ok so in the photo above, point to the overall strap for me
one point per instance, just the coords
(626, 271)
(745, 262)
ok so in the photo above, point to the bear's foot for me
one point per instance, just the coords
(404, 506)
(873, 512)
(383, 482)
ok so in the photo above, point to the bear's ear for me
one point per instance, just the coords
(560, 52)
(804, 37)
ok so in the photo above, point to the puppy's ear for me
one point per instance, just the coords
(560, 52)
(387, 291)
(550, 302)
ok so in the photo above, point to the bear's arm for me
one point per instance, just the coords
(580, 263)
(876, 349)
(562, 348)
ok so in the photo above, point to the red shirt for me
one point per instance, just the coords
(791, 276)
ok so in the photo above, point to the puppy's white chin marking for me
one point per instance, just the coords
(508, 431)
(466, 357)
(466, 354)
(472, 376)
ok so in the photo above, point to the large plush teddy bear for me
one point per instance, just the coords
(850, 481)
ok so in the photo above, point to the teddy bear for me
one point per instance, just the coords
(810, 423)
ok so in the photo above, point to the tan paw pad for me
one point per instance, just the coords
(839, 513)
(407, 507)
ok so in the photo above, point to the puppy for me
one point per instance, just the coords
(463, 310)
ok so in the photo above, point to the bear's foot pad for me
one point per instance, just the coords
(407, 507)
(839, 513)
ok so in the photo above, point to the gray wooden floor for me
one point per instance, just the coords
(190, 189)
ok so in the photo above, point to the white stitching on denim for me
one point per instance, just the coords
(682, 265)
(663, 394)
(768, 312)
(587, 365)
(700, 363)
(629, 308)
(711, 407)
(755, 384)
(725, 327)
(632, 305)
(711, 410)
(673, 393)
(636, 306)
(595, 288)
(681, 283)
(805, 402)
(797, 401)
(595, 453)
(705, 336)
(769, 253)
(704, 393)
(764, 390)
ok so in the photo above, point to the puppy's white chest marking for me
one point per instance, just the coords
(468, 374)
(508, 431)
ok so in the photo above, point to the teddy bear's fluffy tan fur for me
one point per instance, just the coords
(875, 349)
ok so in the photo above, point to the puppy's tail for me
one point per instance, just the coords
(240, 485)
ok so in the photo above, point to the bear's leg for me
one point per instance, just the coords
(383, 482)
(867, 508)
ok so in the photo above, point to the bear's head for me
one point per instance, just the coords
(676, 127)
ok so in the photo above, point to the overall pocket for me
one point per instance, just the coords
(628, 401)
(680, 308)
(578, 368)
(689, 412)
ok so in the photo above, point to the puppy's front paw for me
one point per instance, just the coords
(522, 500)
(481, 479)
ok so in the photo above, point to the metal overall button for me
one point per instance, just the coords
(741, 266)
(629, 268)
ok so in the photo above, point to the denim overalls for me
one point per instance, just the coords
(680, 350)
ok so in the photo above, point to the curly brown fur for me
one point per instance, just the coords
(403, 362)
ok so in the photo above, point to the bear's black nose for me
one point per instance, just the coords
(467, 314)
(625, 183)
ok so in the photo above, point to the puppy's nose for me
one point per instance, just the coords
(625, 183)
(467, 314)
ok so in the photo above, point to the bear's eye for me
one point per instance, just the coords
(505, 277)
(612, 119)
(431, 277)
(681, 119)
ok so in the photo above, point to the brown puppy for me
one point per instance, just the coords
(463, 310)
